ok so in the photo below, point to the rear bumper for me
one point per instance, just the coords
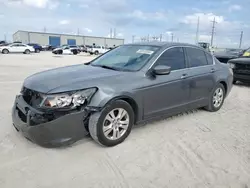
(60, 131)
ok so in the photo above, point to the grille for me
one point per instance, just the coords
(242, 66)
(33, 98)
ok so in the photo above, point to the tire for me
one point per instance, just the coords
(27, 51)
(37, 51)
(98, 120)
(234, 82)
(75, 52)
(215, 107)
(96, 52)
(5, 51)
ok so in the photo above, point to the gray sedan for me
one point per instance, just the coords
(130, 84)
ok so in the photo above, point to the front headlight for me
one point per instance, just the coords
(66, 100)
(231, 65)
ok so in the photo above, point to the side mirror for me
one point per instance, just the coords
(161, 70)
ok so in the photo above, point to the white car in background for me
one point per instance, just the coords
(16, 48)
(66, 50)
(98, 50)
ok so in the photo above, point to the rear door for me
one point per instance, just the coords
(201, 74)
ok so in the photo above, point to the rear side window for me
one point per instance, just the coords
(196, 57)
(209, 59)
(173, 58)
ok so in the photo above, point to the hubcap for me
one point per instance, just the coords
(116, 124)
(218, 97)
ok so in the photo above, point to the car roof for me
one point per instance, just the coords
(164, 44)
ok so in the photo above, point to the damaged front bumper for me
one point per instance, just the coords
(48, 130)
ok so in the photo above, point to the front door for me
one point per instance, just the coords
(167, 93)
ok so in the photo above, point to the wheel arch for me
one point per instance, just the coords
(125, 97)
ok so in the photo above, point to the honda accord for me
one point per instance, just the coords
(128, 85)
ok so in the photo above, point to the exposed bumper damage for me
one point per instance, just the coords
(49, 129)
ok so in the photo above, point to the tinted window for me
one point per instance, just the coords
(209, 58)
(196, 57)
(173, 58)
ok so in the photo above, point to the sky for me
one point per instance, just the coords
(138, 18)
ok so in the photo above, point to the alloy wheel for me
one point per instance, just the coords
(116, 124)
(218, 97)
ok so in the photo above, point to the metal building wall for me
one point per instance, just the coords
(43, 39)
(21, 36)
(79, 39)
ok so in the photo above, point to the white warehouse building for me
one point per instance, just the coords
(54, 39)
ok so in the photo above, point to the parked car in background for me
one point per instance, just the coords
(227, 54)
(83, 48)
(2, 43)
(16, 48)
(48, 48)
(89, 47)
(69, 50)
(98, 50)
(241, 67)
(130, 84)
(75, 47)
(37, 47)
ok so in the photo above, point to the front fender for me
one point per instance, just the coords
(103, 96)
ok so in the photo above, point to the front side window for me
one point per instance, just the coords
(196, 57)
(126, 57)
(173, 58)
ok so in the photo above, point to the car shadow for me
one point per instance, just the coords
(242, 84)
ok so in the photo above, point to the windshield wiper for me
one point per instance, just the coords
(106, 67)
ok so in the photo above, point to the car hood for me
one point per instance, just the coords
(69, 78)
(242, 60)
(57, 49)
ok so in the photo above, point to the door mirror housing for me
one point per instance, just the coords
(161, 70)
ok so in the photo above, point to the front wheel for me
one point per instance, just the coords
(96, 52)
(216, 99)
(37, 51)
(113, 124)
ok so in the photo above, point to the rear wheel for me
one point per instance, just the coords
(27, 51)
(234, 81)
(37, 51)
(96, 52)
(5, 51)
(113, 124)
(216, 99)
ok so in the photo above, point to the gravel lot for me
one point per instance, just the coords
(196, 149)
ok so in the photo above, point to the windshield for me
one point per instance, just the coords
(126, 58)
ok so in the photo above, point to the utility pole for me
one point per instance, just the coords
(160, 37)
(133, 38)
(197, 31)
(111, 32)
(114, 33)
(172, 36)
(241, 37)
(148, 38)
(212, 35)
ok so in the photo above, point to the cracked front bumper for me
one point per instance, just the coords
(40, 128)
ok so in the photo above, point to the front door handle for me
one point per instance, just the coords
(212, 70)
(184, 76)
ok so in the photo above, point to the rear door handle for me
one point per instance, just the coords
(184, 76)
